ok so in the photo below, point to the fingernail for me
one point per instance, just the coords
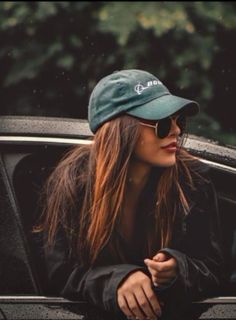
(155, 284)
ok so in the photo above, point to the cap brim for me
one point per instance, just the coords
(163, 107)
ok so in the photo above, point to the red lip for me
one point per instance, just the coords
(171, 145)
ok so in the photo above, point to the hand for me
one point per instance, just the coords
(136, 298)
(162, 267)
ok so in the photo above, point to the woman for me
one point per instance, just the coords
(131, 220)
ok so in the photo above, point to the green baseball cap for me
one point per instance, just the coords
(137, 93)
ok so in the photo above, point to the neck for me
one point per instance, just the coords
(138, 174)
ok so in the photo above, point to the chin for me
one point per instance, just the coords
(167, 163)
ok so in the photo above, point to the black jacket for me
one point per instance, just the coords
(195, 246)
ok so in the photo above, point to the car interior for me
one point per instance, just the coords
(23, 172)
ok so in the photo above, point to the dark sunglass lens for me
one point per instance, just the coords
(163, 127)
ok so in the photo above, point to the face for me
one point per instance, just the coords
(153, 150)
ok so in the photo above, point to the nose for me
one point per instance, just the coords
(175, 129)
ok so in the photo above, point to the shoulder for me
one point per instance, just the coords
(200, 193)
(200, 168)
(202, 185)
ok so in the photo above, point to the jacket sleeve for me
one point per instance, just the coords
(200, 259)
(96, 285)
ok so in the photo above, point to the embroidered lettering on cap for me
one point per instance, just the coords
(139, 88)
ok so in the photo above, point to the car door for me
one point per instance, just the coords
(29, 150)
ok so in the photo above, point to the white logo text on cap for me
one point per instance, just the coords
(139, 88)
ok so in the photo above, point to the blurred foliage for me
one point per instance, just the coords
(53, 53)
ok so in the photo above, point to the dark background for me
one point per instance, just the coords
(53, 53)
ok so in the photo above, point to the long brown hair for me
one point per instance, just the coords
(85, 193)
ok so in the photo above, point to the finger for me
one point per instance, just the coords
(144, 304)
(161, 275)
(171, 263)
(153, 272)
(165, 275)
(160, 257)
(153, 266)
(153, 300)
(161, 266)
(160, 279)
(124, 307)
(134, 306)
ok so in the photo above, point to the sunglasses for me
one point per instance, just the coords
(163, 126)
